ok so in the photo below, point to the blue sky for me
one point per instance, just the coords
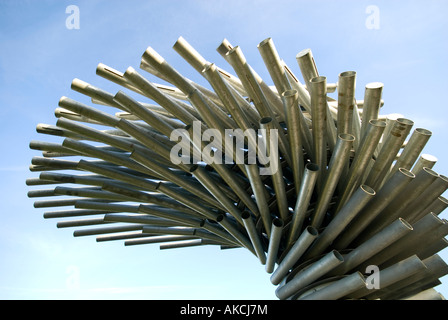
(39, 57)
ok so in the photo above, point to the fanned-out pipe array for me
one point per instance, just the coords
(336, 200)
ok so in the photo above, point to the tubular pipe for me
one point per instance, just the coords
(292, 110)
(273, 63)
(306, 276)
(318, 87)
(274, 243)
(338, 160)
(395, 208)
(372, 102)
(346, 101)
(259, 190)
(412, 150)
(389, 150)
(294, 254)
(354, 205)
(302, 202)
(339, 288)
(375, 244)
(393, 187)
(361, 161)
(277, 176)
(254, 237)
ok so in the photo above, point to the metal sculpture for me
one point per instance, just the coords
(318, 189)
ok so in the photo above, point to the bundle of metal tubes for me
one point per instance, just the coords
(351, 211)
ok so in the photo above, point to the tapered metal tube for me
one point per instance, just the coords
(294, 254)
(254, 236)
(336, 166)
(389, 150)
(348, 212)
(310, 274)
(277, 174)
(274, 243)
(412, 150)
(259, 191)
(393, 187)
(346, 101)
(361, 161)
(292, 110)
(303, 200)
(375, 244)
(273, 64)
(372, 103)
(338, 289)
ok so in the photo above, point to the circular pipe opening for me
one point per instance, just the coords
(346, 136)
(337, 255)
(265, 120)
(347, 74)
(277, 222)
(312, 166)
(423, 131)
(406, 172)
(406, 224)
(368, 189)
(289, 93)
(311, 230)
(318, 79)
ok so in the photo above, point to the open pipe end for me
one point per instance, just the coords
(347, 74)
(264, 42)
(406, 172)
(406, 224)
(347, 137)
(375, 85)
(337, 255)
(278, 223)
(303, 53)
(319, 79)
(290, 93)
(312, 231)
(368, 190)
(265, 120)
(312, 167)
